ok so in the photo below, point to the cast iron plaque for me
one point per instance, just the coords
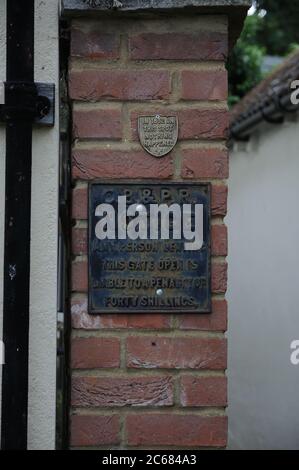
(149, 247)
(158, 134)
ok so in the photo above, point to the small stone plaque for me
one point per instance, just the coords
(158, 134)
(149, 248)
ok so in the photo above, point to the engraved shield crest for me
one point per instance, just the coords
(158, 134)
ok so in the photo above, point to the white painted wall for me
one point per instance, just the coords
(263, 290)
(43, 289)
(44, 233)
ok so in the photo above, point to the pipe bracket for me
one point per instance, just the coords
(28, 101)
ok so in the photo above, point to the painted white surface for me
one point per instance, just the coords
(43, 293)
(2, 166)
(263, 291)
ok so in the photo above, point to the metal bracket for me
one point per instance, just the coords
(23, 101)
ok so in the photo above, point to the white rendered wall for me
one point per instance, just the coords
(43, 293)
(43, 288)
(263, 290)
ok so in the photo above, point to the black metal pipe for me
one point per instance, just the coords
(20, 72)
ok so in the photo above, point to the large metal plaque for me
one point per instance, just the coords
(158, 134)
(149, 247)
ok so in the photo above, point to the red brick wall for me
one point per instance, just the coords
(148, 381)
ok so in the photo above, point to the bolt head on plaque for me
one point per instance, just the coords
(158, 134)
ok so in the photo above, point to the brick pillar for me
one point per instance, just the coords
(145, 380)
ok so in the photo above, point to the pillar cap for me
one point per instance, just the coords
(236, 10)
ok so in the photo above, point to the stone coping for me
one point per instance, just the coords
(236, 10)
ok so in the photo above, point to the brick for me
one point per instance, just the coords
(194, 124)
(138, 321)
(219, 240)
(203, 124)
(94, 44)
(152, 352)
(79, 276)
(93, 85)
(219, 278)
(209, 85)
(216, 321)
(81, 319)
(90, 164)
(203, 391)
(79, 241)
(179, 46)
(94, 430)
(122, 391)
(146, 347)
(219, 200)
(176, 430)
(204, 163)
(97, 124)
(79, 203)
(93, 353)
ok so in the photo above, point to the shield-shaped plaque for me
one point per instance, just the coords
(158, 134)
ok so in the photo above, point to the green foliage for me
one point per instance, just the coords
(244, 67)
(280, 25)
(272, 30)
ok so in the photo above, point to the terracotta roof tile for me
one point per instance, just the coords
(279, 80)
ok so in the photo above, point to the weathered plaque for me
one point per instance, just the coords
(149, 248)
(158, 134)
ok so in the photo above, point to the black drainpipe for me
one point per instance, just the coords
(19, 111)
(26, 102)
